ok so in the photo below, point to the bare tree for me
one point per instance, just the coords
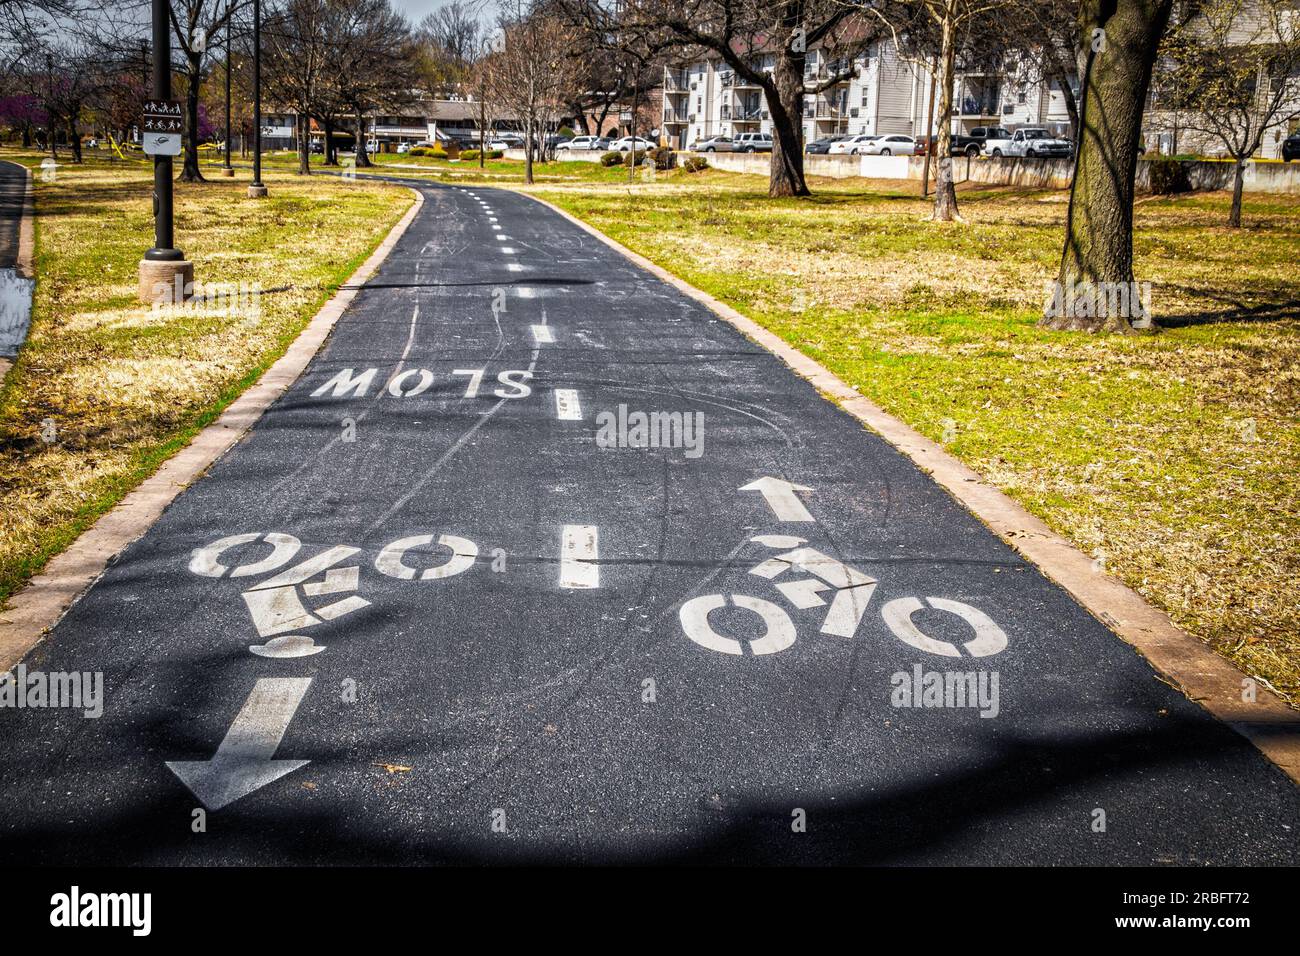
(1232, 70)
(371, 59)
(529, 72)
(447, 42)
(746, 33)
(295, 53)
(197, 24)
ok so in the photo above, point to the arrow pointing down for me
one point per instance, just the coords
(781, 497)
(243, 763)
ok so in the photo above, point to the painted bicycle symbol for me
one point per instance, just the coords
(277, 603)
(851, 592)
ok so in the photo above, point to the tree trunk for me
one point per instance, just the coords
(1238, 184)
(304, 144)
(482, 132)
(75, 142)
(190, 172)
(1099, 223)
(330, 159)
(362, 159)
(945, 192)
(786, 177)
(528, 152)
(27, 136)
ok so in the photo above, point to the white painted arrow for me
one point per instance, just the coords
(781, 497)
(243, 763)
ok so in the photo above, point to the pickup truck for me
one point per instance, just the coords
(1031, 141)
(977, 141)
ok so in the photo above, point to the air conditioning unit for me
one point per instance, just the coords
(853, 112)
(764, 114)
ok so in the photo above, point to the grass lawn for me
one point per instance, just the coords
(1172, 457)
(106, 389)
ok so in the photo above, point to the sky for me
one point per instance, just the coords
(416, 10)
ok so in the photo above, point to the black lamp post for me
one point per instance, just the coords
(255, 189)
(164, 273)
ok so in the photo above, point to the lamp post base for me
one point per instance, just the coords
(256, 192)
(227, 171)
(165, 282)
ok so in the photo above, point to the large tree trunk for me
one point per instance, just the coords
(362, 159)
(1099, 227)
(75, 141)
(330, 158)
(945, 192)
(1238, 184)
(786, 108)
(304, 144)
(190, 172)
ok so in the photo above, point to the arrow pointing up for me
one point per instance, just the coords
(781, 497)
(243, 762)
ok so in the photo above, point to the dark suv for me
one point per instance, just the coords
(1291, 148)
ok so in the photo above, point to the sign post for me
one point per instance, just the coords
(165, 275)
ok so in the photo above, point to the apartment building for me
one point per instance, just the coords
(886, 94)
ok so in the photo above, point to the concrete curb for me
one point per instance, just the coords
(1202, 675)
(37, 608)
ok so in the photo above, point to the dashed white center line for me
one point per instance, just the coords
(503, 238)
(579, 550)
(514, 267)
(542, 334)
(567, 406)
(509, 250)
(495, 226)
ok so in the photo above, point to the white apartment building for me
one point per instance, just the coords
(888, 94)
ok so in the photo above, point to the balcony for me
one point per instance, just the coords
(676, 81)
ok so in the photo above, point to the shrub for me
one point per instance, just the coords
(694, 164)
(1167, 176)
(663, 157)
(634, 157)
(611, 159)
(417, 151)
(566, 132)
(468, 154)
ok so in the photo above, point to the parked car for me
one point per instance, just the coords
(978, 140)
(631, 142)
(584, 142)
(505, 141)
(851, 145)
(714, 144)
(1291, 148)
(891, 145)
(752, 143)
(823, 145)
(1034, 141)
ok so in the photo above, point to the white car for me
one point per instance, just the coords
(403, 148)
(1035, 141)
(852, 145)
(506, 142)
(580, 142)
(891, 146)
(626, 143)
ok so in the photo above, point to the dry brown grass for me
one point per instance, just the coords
(106, 388)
